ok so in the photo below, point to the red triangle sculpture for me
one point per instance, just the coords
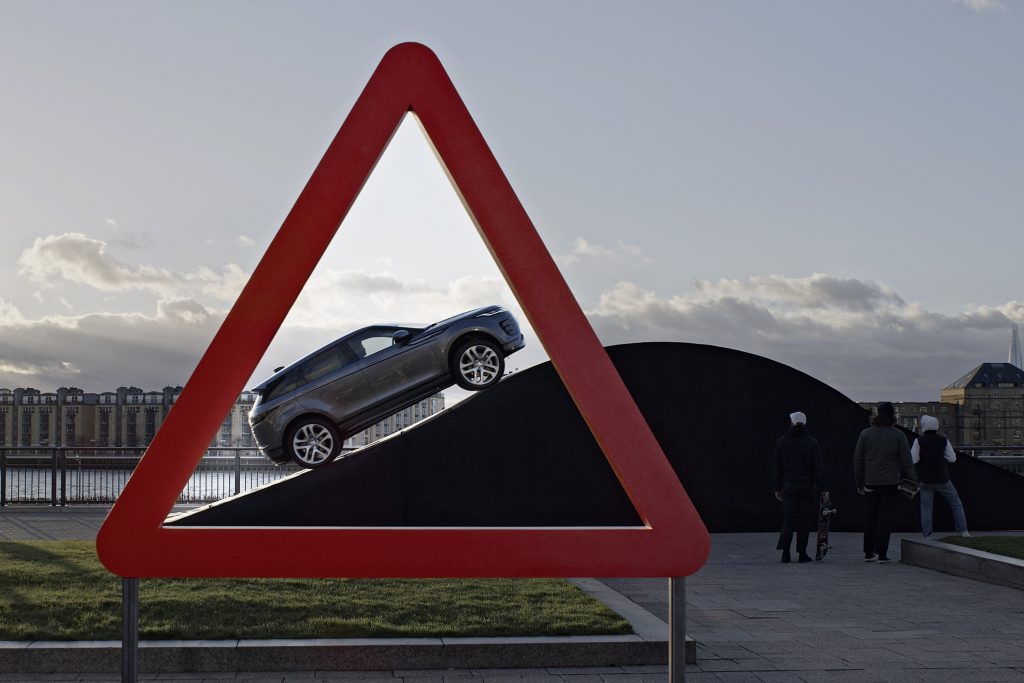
(672, 541)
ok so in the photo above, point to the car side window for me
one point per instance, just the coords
(318, 366)
(373, 343)
(287, 383)
(327, 362)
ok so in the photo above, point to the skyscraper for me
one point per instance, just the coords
(1014, 358)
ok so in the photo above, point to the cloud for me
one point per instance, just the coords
(244, 241)
(816, 291)
(10, 315)
(223, 286)
(335, 298)
(983, 5)
(584, 250)
(857, 336)
(101, 351)
(129, 239)
(80, 260)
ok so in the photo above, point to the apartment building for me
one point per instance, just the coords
(130, 417)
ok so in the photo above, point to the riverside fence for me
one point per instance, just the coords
(76, 475)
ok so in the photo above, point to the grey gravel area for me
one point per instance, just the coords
(754, 619)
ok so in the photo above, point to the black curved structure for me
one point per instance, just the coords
(519, 454)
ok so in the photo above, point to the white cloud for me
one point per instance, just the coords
(10, 315)
(858, 336)
(983, 5)
(336, 298)
(100, 351)
(80, 260)
(7, 368)
(244, 241)
(225, 286)
(816, 291)
(584, 250)
(38, 296)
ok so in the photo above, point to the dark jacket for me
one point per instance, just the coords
(882, 457)
(798, 461)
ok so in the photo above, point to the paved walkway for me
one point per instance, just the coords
(754, 619)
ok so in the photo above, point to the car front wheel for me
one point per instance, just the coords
(313, 442)
(477, 364)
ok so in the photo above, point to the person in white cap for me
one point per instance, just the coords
(798, 472)
(930, 453)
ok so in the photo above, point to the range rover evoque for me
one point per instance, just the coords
(306, 410)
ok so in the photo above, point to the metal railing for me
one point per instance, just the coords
(73, 475)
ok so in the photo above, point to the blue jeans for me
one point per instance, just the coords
(947, 491)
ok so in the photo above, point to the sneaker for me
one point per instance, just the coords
(966, 534)
(804, 557)
(870, 557)
(785, 556)
(884, 560)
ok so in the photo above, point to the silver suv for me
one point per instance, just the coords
(306, 410)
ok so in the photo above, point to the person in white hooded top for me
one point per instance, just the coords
(930, 453)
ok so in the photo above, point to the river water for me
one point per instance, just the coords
(88, 485)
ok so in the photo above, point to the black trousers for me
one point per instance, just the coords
(881, 502)
(799, 513)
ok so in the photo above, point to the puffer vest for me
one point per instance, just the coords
(931, 468)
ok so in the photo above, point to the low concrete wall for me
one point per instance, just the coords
(333, 655)
(966, 562)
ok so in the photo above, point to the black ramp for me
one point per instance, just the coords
(520, 455)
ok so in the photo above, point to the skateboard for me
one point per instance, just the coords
(825, 512)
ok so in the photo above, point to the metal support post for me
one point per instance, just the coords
(238, 471)
(3, 477)
(129, 630)
(53, 479)
(63, 477)
(677, 629)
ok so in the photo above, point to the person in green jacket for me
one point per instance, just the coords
(880, 460)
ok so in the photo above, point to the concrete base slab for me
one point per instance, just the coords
(966, 562)
(647, 646)
(381, 654)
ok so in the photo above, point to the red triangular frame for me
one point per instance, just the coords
(672, 542)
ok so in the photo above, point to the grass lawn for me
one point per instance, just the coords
(58, 590)
(1012, 546)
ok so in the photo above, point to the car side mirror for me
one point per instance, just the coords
(400, 337)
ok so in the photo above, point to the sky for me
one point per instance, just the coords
(835, 186)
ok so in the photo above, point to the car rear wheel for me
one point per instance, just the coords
(313, 442)
(477, 364)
